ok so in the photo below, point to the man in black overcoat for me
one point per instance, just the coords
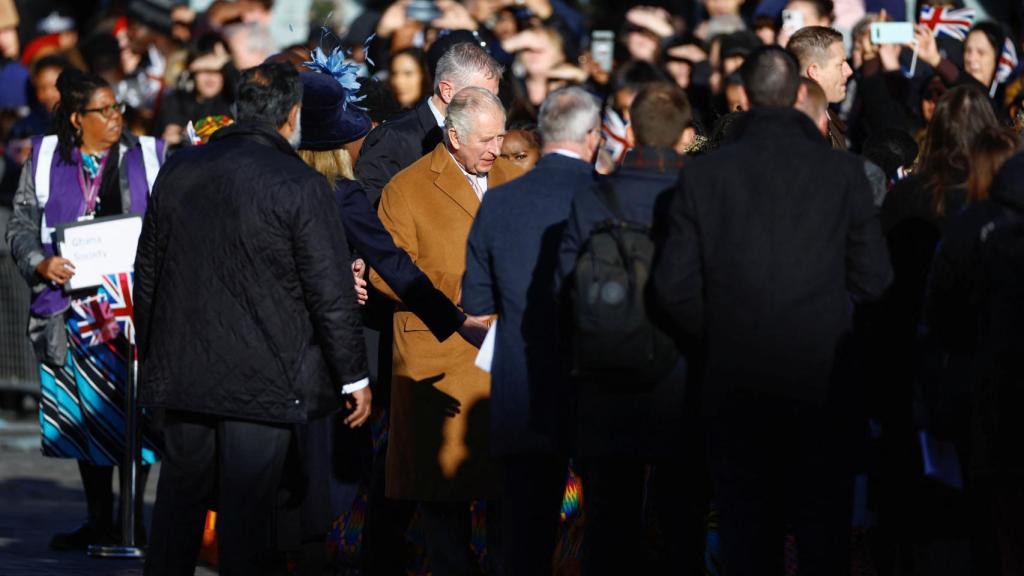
(771, 239)
(247, 325)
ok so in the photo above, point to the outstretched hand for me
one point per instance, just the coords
(474, 330)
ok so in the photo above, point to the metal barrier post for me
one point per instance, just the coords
(129, 470)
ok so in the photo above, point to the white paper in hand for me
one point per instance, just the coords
(486, 353)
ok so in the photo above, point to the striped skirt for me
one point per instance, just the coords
(82, 407)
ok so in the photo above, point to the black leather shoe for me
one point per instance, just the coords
(79, 539)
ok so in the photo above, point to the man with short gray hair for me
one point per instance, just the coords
(438, 445)
(510, 267)
(394, 145)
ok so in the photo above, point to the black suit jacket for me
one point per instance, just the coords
(372, 241)
(768, 239)
(395, 145)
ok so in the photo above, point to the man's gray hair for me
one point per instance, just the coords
(466, 105)
(568, 115)
(461, 62)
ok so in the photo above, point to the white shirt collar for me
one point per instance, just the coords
(481, 179)
(568, 153)
(438, 117)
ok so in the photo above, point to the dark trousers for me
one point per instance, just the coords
(531, 503)
(384, 544)
(448, 529)
(617, 492)
(383, 551)
(232, 463)
(99, 500)
(778, 468)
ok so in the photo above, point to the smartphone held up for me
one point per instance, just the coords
(422, 11)
(892, 33)
(602, 48)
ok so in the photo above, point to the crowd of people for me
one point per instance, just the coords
(749, 269)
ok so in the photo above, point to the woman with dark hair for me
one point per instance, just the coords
(408, 77)
(938, 184)
(973, 316)
(914, 216)
(522, 145)
(90, 168)
(982, 48)
(205, 91)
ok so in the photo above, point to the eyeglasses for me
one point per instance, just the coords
(108, 111)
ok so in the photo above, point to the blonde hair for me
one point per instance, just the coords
(333, 164)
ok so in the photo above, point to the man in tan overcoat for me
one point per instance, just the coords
(438, 449)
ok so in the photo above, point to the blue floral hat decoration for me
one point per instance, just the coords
(331, 115)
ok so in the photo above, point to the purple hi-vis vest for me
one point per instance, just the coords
(60, 197)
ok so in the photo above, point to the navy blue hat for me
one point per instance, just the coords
(328, 123)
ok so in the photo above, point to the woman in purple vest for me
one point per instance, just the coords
(89, 169)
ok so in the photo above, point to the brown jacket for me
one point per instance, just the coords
(438, 447)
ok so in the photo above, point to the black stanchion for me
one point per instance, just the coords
(129, 470)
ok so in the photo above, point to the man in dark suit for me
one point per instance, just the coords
(611, 452)
(768, 240)
(395, 145)
(822, 57)
(510, 269)
(242, 332)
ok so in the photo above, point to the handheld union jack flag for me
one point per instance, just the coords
(118, 290)
(97, 322)
(955, 23)
(1007, 62)
(613, 128)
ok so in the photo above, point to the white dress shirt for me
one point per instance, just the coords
(476, 181)
(569, 153)
(355, 386)
(437, 114)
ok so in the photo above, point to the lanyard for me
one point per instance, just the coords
(91, 190)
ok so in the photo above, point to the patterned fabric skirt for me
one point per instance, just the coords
(81, 412)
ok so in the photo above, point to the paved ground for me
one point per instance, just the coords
(40, 497)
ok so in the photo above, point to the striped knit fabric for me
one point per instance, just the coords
(81, 411)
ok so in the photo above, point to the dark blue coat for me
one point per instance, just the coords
(511, 263)
(370, 240)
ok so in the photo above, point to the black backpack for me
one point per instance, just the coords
(613, 336)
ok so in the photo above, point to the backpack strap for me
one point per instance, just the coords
(606, 193)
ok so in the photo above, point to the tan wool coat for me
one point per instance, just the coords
(438, 447)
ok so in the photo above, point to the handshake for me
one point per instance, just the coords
(473, 329)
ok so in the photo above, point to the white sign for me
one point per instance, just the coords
(99, 247)
(485, 356)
